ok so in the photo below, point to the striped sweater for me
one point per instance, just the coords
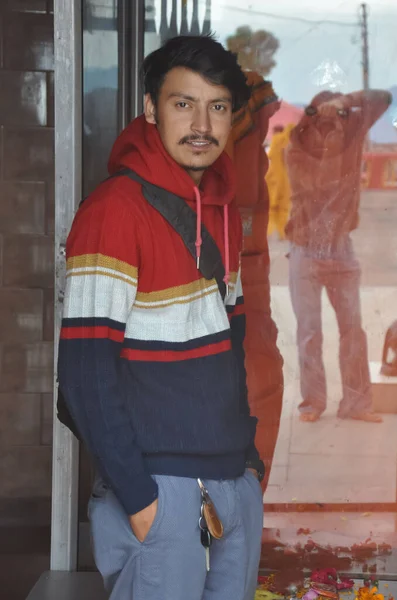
(151, 361)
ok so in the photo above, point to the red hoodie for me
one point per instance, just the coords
(151, 360)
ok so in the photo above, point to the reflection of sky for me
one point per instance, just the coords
(313, 55)
(308, 47)
(100, 60)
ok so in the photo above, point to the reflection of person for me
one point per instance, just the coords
(100, 129)
(324, 163)
(151, 360)
(263, 361)
(278, 182)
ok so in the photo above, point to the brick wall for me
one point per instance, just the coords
(26, 253)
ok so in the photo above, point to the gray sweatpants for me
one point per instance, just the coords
(340, 277)
(170, 564)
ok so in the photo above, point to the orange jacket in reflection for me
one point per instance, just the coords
(324, 164)
(245, 147)
(278, 182)
(263, 360)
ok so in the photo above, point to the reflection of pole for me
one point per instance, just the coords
(195, 19)
(152, 41)
(364, 35)
(207, 18)
(163, 22)
(365, 60)
(184, 25)
(173, 23)
(150, 11)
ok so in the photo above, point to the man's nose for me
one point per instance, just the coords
(201, 121)
(326, 127)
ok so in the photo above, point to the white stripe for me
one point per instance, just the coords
(88, 296)
(159, 303)
(239, 288)
(98, 296)
(235, 291)
(102, 270)
(179, 322)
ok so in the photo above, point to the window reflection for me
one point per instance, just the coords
(100, 84)
(100, 129)
(328, 156)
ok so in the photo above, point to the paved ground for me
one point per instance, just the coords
(331, 460)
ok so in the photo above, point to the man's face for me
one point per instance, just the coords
(194, 119)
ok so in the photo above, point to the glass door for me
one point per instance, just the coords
(112, 45)
(100, 87)
(332, 494)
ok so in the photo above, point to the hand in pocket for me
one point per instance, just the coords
(142, 521)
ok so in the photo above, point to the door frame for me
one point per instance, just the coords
(68, 41)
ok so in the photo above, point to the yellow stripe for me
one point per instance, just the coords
(100, 260)
(233, 278)
(104, 273)
(261, 93)
(175, 292)
(176, 301)
(181, 291)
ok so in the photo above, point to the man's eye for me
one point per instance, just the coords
(219, 107)
(182, 104)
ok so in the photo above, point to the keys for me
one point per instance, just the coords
(205, 536)
(203, 490)
(207, 559)
(206, 539)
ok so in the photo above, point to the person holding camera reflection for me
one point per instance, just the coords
(324, 165)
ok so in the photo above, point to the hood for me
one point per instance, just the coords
(140, 148)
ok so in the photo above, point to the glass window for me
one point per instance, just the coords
(100, 85)
(327, 151)
(101, 122)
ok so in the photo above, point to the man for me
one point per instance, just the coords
(151, 359)
(324, 162)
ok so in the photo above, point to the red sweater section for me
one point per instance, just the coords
(131, 221)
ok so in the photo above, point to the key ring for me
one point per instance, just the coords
(204, 492)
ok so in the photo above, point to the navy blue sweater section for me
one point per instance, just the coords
(185, 418)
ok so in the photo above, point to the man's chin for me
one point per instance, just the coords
(194, 168)
(199, 162)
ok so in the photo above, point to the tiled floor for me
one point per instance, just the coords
(333, 460)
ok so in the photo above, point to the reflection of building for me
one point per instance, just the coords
(286, 114)
(390, 173)
(379, 171)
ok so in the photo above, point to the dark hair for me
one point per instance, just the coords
(324, 96)
(201, 54)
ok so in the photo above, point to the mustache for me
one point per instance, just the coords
(199, 138)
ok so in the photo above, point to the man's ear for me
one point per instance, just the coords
(150, 110)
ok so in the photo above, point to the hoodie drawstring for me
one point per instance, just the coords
(227, 250)
(199, 240)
